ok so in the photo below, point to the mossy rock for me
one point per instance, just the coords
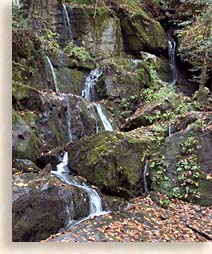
(140, 31)
(111, 161)
(26, 142)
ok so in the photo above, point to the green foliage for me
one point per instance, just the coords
(152, 94)
(187, 171)
(79, 54)
(195, 42)
(160, 178)
(189, 145)
(19, 18)
(21, 72)
(49, 40)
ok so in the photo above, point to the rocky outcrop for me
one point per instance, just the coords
(34, 198)
(111, 161)
(48, 120)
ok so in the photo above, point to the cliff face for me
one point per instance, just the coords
(84, 68)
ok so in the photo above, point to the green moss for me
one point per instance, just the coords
(14, 117)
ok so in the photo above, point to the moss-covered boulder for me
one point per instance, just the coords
(26, 142)
(112, 161)
(139, 30)
(42, 206)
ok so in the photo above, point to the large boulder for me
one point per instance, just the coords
(140, 31)
(112, 161)
(183, 168)
(42, 206)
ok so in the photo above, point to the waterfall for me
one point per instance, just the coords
(89, 92)
(67, 19)
(95, 203)
(106, 123)
(53, 74)
(144, 176)
(16, 3)
(70, 138)
(170, 130)
(172, 60)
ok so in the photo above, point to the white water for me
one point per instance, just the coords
(70, 138)
(67, 20)
(106, 123)
(172, 60)
(88, 92)
(95, 203)
(146, 56)
(144, 176)
(16, 3)
(53, 74)
(170, 130)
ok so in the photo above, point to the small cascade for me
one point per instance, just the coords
(172, 59)
(95, 203)
(62, 167)
(89, 92)
(106, 123)
(53, 74)
(67, 19)
(16, 3)
(170, 130)
(144, 176)
(70, 138)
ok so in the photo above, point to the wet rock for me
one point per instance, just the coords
(43, 206)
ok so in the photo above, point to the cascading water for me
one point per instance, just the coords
(89, 93)
(106, 123)
(144, 176)
(16, 3)
(67, 19)
(95, 203)
(172, 60)
(170, 130)
(53, 74)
